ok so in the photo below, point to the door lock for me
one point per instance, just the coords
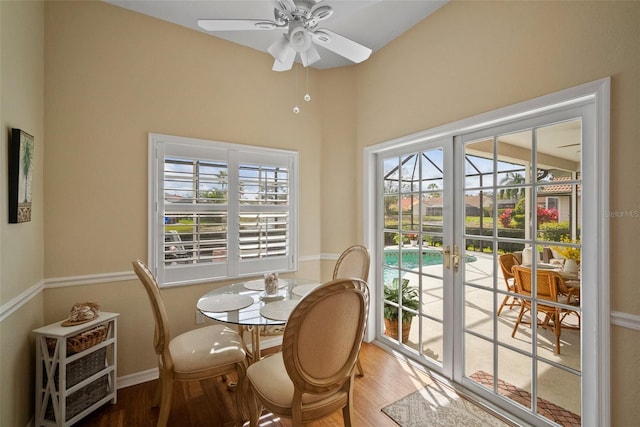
(456, 257)
(447, 257)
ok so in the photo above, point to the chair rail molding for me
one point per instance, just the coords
(89, 279)
(16, 303)
(625, 320)
(617, 318)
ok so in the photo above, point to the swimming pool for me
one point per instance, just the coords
(410, 260)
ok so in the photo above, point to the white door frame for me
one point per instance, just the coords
(595, 244)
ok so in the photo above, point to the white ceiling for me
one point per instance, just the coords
(372, 23)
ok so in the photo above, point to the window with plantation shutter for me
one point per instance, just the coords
(219, 210)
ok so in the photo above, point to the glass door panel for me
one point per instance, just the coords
(413, 271)
(521, 198)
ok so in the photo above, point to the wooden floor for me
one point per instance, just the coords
(210, 403)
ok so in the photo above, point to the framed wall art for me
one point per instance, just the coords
(21, 150)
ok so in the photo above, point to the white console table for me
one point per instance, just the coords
(70, 385)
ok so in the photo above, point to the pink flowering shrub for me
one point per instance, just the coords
(546, 215)
(505, 217)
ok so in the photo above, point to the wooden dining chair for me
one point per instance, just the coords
(507, 261)
(207, 352)
(354, 262)
(547, 284)
(313, 375)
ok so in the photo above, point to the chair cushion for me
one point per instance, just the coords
(271, 382)
(206, 347)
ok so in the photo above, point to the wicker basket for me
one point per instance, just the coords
(80, 342)
(82, 368)
(82, 399)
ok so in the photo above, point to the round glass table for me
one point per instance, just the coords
(246, 304)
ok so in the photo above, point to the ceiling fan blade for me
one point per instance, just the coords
(309, 56)
(321, 11)
(287, 63)
(236, 24)
(286, 5)
(341, 45)
(568, 145)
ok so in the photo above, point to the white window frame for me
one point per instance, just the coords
(233, 155)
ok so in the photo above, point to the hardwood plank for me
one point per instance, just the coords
(211, 403)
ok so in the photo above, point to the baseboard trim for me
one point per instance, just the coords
(138, 378)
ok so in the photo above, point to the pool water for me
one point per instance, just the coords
(410, 260)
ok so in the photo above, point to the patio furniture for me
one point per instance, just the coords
(175, 252)
(353, 262)
(202, 353)
(547, 285)
(507, 261)
(313, 375)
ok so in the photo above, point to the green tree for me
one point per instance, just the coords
(431, 187)
(512, 178)
(217, 195)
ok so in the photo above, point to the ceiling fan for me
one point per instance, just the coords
(572, 145)
(299, 19)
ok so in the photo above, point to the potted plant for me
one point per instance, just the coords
(571, 254)
(408, 297)
(399, 242)
(413, 239)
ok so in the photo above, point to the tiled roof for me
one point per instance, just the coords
(436, 202)
(557, 187)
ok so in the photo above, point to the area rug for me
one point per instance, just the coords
(547, 409)
(439, 406)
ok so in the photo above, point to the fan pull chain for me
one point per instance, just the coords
(296, 109)
(307, 97)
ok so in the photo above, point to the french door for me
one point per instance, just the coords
(449, 207)
(417, 250)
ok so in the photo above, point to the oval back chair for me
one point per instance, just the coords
(353, 262)
(313, 375)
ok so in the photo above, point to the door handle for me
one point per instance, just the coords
(456, 258)
(447, 257)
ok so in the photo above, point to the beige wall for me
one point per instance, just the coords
(339, 160)
(473, 57)
(21, 245)
(112, 76)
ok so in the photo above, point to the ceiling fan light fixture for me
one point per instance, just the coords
(286, 63)
(280, 49)
(309, 56)
(299, 37)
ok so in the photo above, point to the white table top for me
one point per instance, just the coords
(57, 330)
